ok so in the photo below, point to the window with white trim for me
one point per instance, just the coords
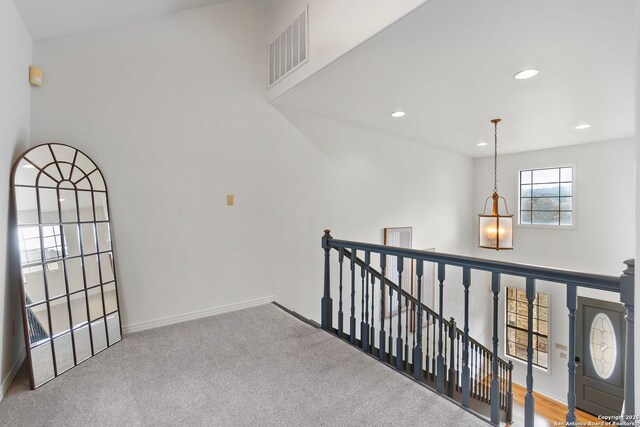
(546, 196)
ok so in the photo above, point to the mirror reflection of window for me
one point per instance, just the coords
(70, 303)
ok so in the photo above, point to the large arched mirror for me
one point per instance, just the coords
(69, 294)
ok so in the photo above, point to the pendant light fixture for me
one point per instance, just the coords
(495, 230)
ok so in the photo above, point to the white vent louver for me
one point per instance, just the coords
(289, 50)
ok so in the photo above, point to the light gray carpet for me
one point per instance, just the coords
(258, 366)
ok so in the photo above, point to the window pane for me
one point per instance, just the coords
(525, 204)
(542, 344)
(546, 175)
(525, 191)
(521, 352)
(542, 327)
(566, 174)
(543, 300)
(566, 203)
(543, 313)
(545, 218)
(522, 322)
(566, 189)
(545, 190)
(525, 217)
(566, 218)
(545, 204)
(542, 359)
(525, 177)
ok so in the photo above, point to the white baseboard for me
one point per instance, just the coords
(8, 379)
(150, 324)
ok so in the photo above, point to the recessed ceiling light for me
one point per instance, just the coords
(398, 114)
(583, 126)
(28, 166)
(526, 74)
(482, 144)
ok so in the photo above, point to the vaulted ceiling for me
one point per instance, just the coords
(450, 66)
(51, 18)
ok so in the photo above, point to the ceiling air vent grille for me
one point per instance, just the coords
(289, 50)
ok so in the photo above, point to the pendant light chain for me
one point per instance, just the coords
(495, 158)
(495, 230)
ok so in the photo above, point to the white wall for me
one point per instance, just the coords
(175, 112)
(15, 57)
(335, 27)
(604, 206)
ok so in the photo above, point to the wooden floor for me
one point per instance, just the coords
(547, 410)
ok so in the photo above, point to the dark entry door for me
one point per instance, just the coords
(600, 349)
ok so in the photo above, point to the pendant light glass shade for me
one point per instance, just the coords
(495, 230)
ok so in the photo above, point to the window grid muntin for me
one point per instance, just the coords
(526, 216)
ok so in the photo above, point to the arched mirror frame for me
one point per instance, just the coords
(93, 322)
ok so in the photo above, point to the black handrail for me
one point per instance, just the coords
(557, 275)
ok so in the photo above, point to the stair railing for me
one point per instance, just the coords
(478, 375)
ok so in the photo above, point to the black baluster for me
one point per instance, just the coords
(466, 282)
(457, 360)
(381, 339)
(440, 359)
(364, 309)
(501, 383)
(433, 348)
(483, 367)
(627, 290)
(340, 313)
(485, 375)
(417, 346)
(495, 392)
(327, 303)
(452, 361)
(571, 364)
(400, 262)
(473, 370)
(445, 334)
(372, 330)
(390, 325)
(529, 401)
(352, 319)
(406, 333)
(414, 320)
(427, 365)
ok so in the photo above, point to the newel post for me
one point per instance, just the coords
(626, 298)
(327, 303)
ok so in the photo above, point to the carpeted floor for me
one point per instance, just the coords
(255, 367)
